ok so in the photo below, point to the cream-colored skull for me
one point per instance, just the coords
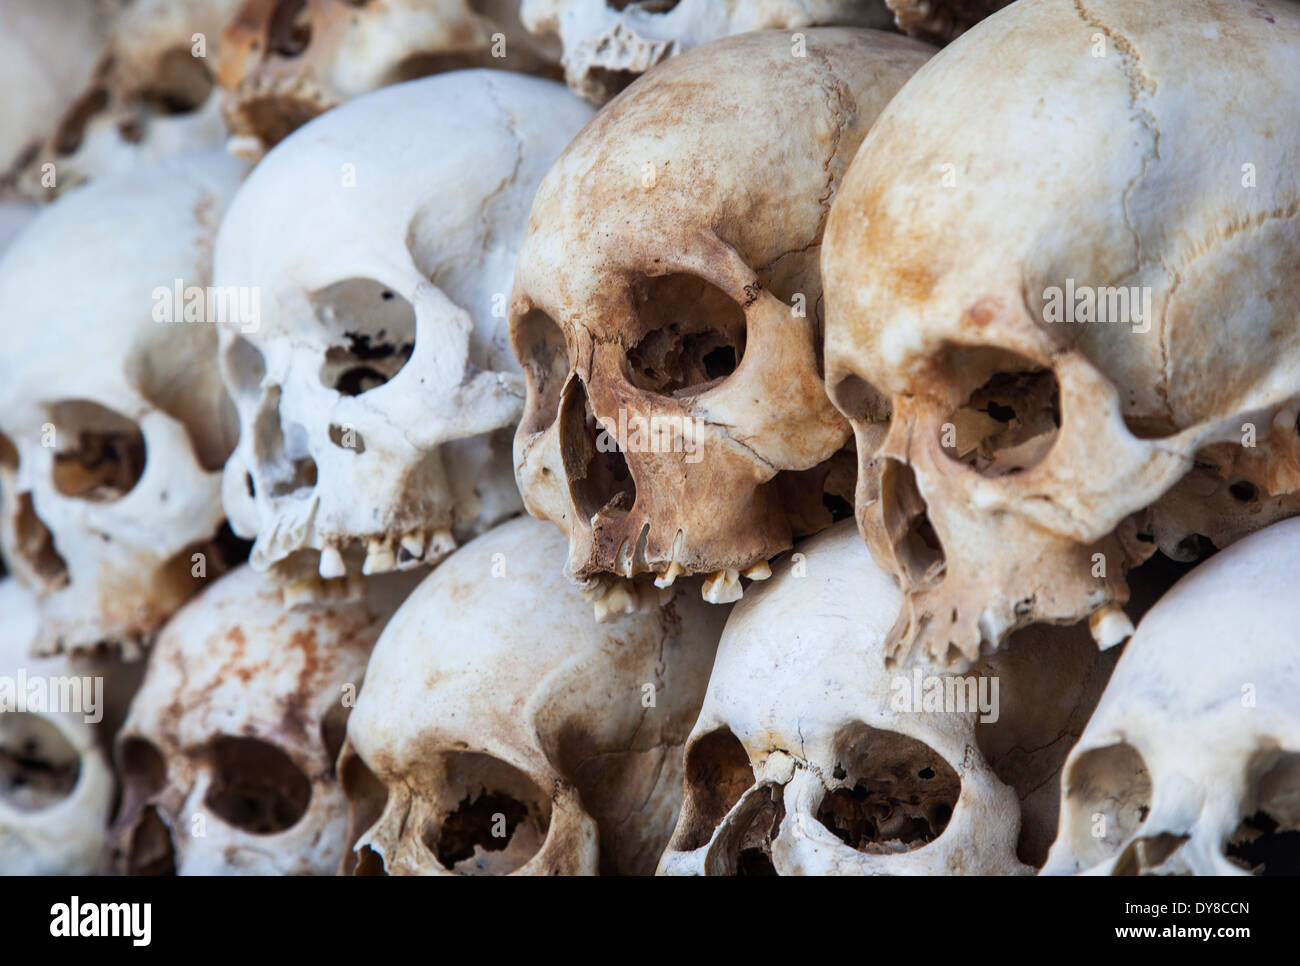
(227, 756)
(56, 787)
(607, 45)
(48, 51)
(502, 731)
(149, 98)
(1191, 763)
(667, 308)
(376, 389)
(810, 757)
(115, 421)
(285, 61)
(988, 216)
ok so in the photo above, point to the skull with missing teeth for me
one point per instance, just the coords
(376, 390)
(1191, 763)
(115, 421)
(1043, 311)
(607, 44)
(667, 309)
(283, 62)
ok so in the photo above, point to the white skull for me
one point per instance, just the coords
(809, 757)
(227, 756)
(1191, 762)
(115, 424)
(502, 731)
(48, 50)
(149, 98)
(669, 279)
(608, 43)
(1001, 489)
(283, 62)
(376, 390)
(56, 788)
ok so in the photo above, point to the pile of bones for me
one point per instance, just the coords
(576, 436)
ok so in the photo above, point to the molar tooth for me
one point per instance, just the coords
(760, 571)
(722, 587)
(666, 578)
(331, 563)
(1109, 626)
(379, 557)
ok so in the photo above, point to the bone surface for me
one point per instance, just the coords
(666, 308)
(227, 756)
(1191, 763)
(375, 388)
(502, 731)
(1038, 332)
(111, 403)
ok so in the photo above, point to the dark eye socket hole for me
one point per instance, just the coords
(290, 29)
(1010, 418)
(256, 787)
(1268, 842)
(600, 481)
(367, 796)
(718, 773)
(182, 85)
(497, 821)
(1111, 787)
(38, 766)
(371, 330)
(693, 334)
(142, 765)
(538, 342)
(860, 401)
(897, 791)
(99, 454)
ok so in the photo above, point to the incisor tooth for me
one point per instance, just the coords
(413, 544)
(331, 563)
(666, 578)
(722, 587)
(616, 601)
(760, 571)
(1110, 626)
(379, 558)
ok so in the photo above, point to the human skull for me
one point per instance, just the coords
(376, 390)
(227, 756)
(809, 757)
(502, 731)
(48, 49)
(114, 419)
(56, 787)
(1191, 762)
(669, 280)
(609, 43)
(285, 61)
(149, 98)
(1004, 454)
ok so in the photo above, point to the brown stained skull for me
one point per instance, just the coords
(667, 308)
(1062, 311)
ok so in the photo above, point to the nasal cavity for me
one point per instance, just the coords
(600, 482)
(916, 544)
(691, 334)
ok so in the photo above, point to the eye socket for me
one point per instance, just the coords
(600, 481)
(692, 335)
(38, 766)
(255, 787)
(1110, 790)
(898, 793)
(99, 454)
(372, 333)
(493, 818)
(1010, 419)
(718, 773)
(1268, 842)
